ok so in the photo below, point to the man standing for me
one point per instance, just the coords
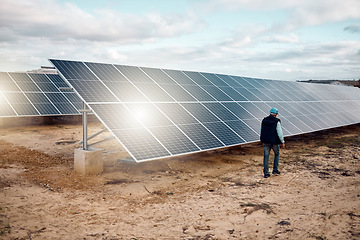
(271, 136)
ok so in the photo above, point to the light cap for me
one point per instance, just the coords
(274, 110)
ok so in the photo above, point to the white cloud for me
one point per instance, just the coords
(301, 13)
(289, 38)
(233, 5)
(115, 55)
(56, 21)
(324, 11)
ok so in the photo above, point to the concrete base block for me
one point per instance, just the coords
(88, 162)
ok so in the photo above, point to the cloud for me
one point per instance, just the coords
(300, 13)
(323, 11)
(234, 5)
(354, 28)
(58, 21)
(278, 38)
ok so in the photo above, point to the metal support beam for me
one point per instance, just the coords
(84, 122)
(101, 141)
(95, 134)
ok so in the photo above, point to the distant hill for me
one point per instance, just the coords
(355, 83)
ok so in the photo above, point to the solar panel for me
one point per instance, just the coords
(34, 94)
(157, 113)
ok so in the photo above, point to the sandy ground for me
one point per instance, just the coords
(212, 195)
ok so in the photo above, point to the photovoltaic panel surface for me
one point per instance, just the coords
(157, 113)
(34, 94)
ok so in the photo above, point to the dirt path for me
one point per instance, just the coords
(213, 195)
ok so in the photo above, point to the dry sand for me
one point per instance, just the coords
(212, 195)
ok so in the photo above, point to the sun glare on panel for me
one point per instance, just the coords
(141, 114)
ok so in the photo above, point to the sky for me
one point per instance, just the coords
(278, 39)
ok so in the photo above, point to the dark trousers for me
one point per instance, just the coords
(276, 149)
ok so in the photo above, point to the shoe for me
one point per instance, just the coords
(276, 172)
(267, 175)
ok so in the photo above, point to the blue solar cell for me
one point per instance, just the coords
(179, 77)
(201, 136)
(221, 111)
(224, 133)
(106, 72)
(198, 78)
(154, 92)
(215, 79)
(176, 113)
(159, 75)
(178, 93)
(174, 140)
(93, 91)
(151, 148)
(243, 130)
(134, 73)
(199, 93)
(239, 111)
(200, 112)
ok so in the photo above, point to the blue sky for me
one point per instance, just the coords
(279, 39)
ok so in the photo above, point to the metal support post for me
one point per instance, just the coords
(84, 122)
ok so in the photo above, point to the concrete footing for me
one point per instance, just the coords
(88, 162)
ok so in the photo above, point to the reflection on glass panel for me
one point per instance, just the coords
(179, 77)
(198, 78)
(254, 124)
(93, 91)
(229, 80)
(263, 107)
(126, 92)
(201, 136)
(8, 87)
(25, 109)
(38, 78)
(173, 139)
(150, 147)
(106, 72)
(220, 111)
(134, 74)
(154, 92)
(224, 133)
(214, 79)
(148, 114)
(243, 81)
(243, 130)
(217, 93)
(176, 113)
(116, 116)
(233, 94)
(238, 110)
(259, 94)
(198, 93)
(200, 112)
(158, 75)
(247, 94)
(177, 92)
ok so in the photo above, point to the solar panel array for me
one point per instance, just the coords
(34, 94)
(157, 113)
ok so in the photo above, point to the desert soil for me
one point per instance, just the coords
(211, 195)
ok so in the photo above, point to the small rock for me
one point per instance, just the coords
(283, 223)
